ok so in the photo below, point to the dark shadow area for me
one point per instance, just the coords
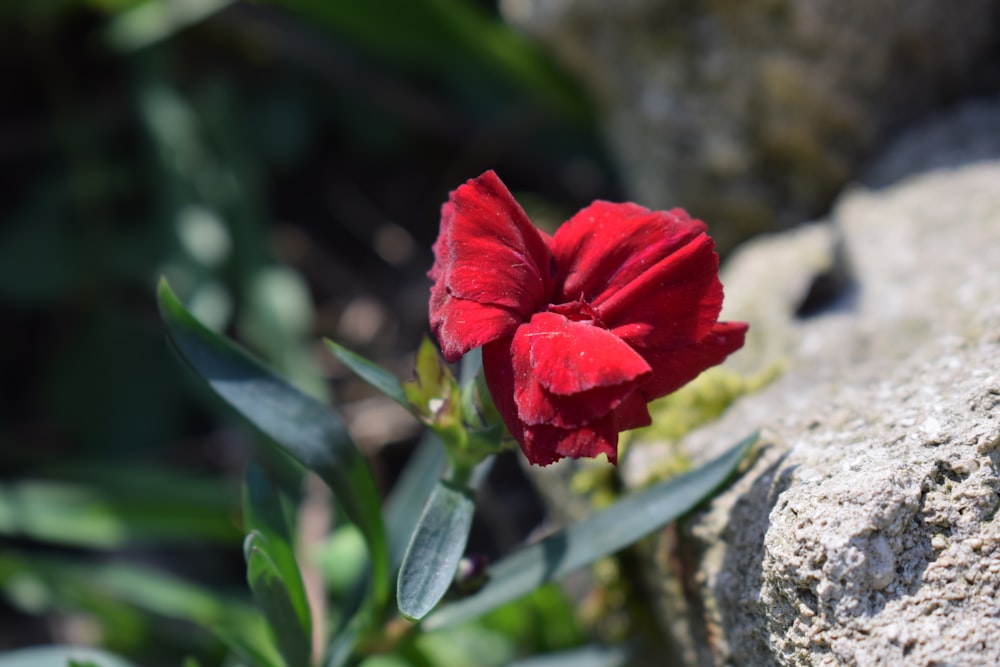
(832, 290)
(737, 596)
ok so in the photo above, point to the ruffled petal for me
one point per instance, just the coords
(467, 325)
(677, 302)
(570, 357)
(570, 373)
(491, 268)
(633, 413)
(544, 444)
(673, 367)
(549, 426)
(607, 246)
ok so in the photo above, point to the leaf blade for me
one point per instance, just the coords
(438, 541)
(300, 426)
(263, 514)
(437, 545)
(414, 486)
(602, 534)
(370, 372)
(271, 592)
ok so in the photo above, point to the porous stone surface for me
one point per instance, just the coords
(754, 113)
(866, 532)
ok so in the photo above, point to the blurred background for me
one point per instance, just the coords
(283, 165)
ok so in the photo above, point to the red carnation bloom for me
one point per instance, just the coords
(582, 329)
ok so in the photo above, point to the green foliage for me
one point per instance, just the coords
(435, 550)
(311, 435)
(293, 422)
(104, 511)
(379, 378)
(600, 535)
(129, 601)
(58, 656)
(272, 571)
(169, 137)
(417, 481)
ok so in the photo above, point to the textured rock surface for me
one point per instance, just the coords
(867, 532)
(756, 112)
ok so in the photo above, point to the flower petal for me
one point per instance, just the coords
(568, 374)
(633, 413)
(547, 444)
(594, 413)
(491, 268)
(676, 302)
(498, 369)
(606, 246)
(570, 357)
(675, 367)
(462, 325)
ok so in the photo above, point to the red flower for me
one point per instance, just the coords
(582, 329)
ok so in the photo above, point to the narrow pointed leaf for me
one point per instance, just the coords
(410, 493)
(600, 535)
(370, 372)
(264, 515)
(302, 427)
(438, 543)
(271, 593)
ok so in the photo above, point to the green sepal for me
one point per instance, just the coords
(434, 395)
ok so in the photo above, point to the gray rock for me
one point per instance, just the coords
(754, 114)
(866, 533)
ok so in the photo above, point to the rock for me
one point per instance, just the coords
(866, 533)
(754, 114)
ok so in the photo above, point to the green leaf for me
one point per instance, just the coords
(435, 550)
(370, 372)
(450, 36)
(107, 511)
(272, 595)
(253, 648)
(405, 503)
(341, 647)
(588, 656)
(264, 515)
(438, 542)
(297, 424)
(128, 600)
(153, 22)
(600, 535)
(59, 656)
